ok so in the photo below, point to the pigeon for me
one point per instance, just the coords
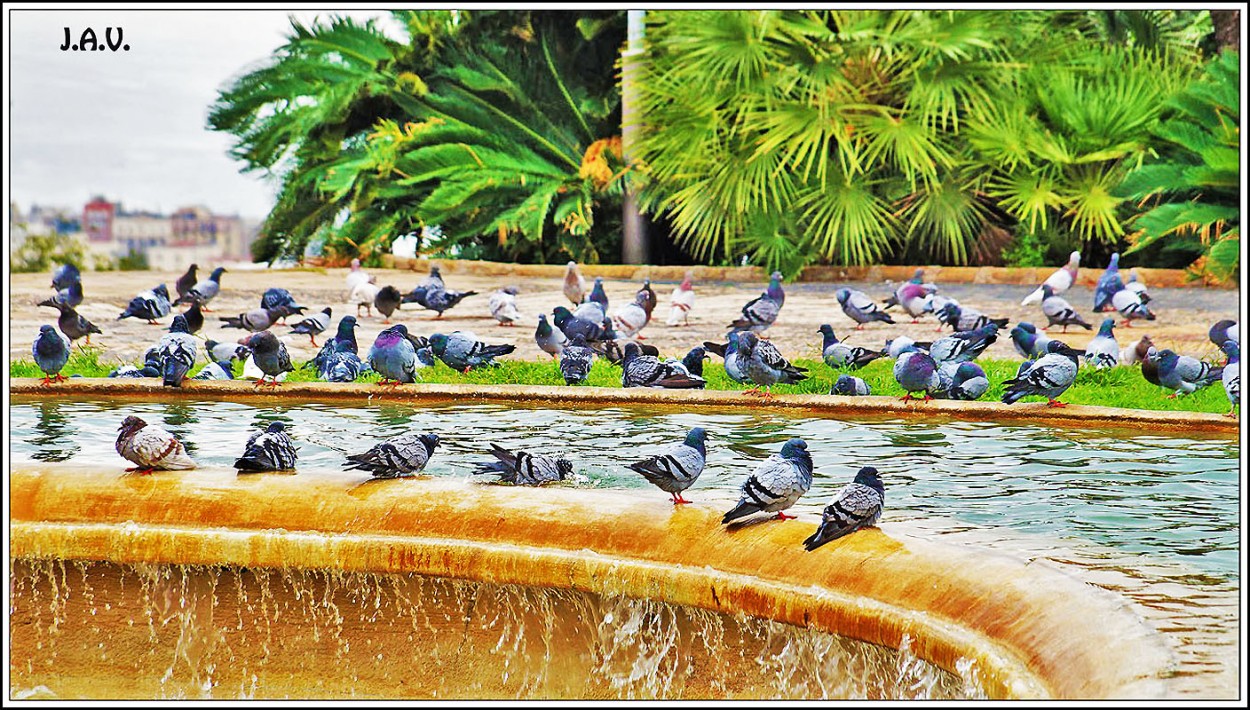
(1028, 341)
(204, 291)
(591, 311)
(681, 302)
(150, 447)
(913, 297)
(765, 365)
(195, 318)
(895, 346)
(838, 354)
(71, 323)
(503, 306)
(436, 299)
(858, 505)
(571, 325)
(70, 296)
(268, 450)
(433, 282)
(934, 303)
(1135, 352)
(387, 302)
(281, 299)
(316, 323)
(598, 295)
(1136, 286)
(965, 346)
(401, 456)
(1049, 376)
(917, 279)
(355, 277)
(611, 351)
(574, 284)
(51, 351)
(462, 351)
(253, 321)
(270, 356)
(735, 363)
(915, 371)
(1231, 374)
(1224, 330)
(177, 352)
(343, 340)
(638, 370)
(550, 340)
(148, 305)
(186, 282)
(1108, 284)
(1059, 312)
(966, 318)
(850, 386)
(632, 317)
(860, 308)
(1182, 373)
(393, 356)
(215, 351)
(1130, 306)
(1103, 351)
(961, 380)
(151, 367)
(776, 483)
(649, 298)
(575, 361)
(1059, 281)
(221, 370)
(525, 469)
(64, 275)
(678, 467)
(761, 312)
(692, 363)
(364, 294)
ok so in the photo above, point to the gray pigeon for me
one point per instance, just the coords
(148, 305)
(524, 468)
(462, 351)
(962, 380)
(151, 367)
(963, 346)
(1103, 351)
(216, 352)
(270, 356)
(393, 356)
(850, 386)
(177, 352)
(591, 311)
(776, 483)
(838, 354)
(575, 361)
(73, 325)
(678, 467)
(401, 456)
(215, 371)
(312, 325)
(1059, 312)
(691, 363)
(51, 352)
(1182, 373)
(255, 320)
(1231, 374)
(435, 280)
(765, 365)
(150, 447)
(761, 312)
(735, 363)
(204, 291)
(965, 318)
(859, 307)
(1108, 284)
(1049, 376)
(64, 275)
(1130, 306)
(1224, 330)
(915, 371)
(503, 306)
(550, 340)
(632, 317)
(281, 299)
(1028, 341)
(571, 325)
(895, 346)
(638, 370)
(268, 450)
(436, 299)
(858, 505)
(70, 296)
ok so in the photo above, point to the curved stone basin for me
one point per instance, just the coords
(1023, 631)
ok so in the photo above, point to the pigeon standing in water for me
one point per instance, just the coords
(398, 457)
(576, 360)
(677, 468)
(316, 323)
(776, 483)
(761, 312)
(204, 291)
(1130, 306)
(148, 305)
(681, 302)
(186, 282)
(268, 450)
(858, 505)
(503, 306)
(393, 356)
(73, 325)
(270, 356)
(638, 370)
(1232, 374)
(51, 351)
(1059, 281)
(1027, 341)
(1059, 312)
(1182, 373)
(177, 352)
(860, 308)
(387, 302)
(550, 340)
(915, 371)
(1103, 351)
(524, 468)
(253, 321)
(70, 296)
(574, 284)
(838, 354)
(462, 351)
(765, 365)
(1049, 376)
(150, 447)
(850, 386)
(1108, 284)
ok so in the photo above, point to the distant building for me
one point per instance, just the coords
(170, 243)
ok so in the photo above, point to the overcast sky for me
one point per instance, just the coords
(131, 125)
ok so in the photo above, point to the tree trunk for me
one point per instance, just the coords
(1227, 25)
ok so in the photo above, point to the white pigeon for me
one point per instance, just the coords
(631, 317)
(363, 295)
(1059, 281)
(1136, 286)
(503, 306)
(356, 276)
(150, 447)
(682, 302)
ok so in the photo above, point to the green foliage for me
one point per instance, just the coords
(38, 252)
(133, 261)
(1194, 186)
(1026, 250)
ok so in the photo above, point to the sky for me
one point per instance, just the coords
(132, 125)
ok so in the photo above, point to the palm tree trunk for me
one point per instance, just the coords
(634, 245)
(1227, 25)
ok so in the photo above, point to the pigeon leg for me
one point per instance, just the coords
(768, 393)
(205, 309)
(386, 321)
(678, 499)
(152, 322)
(783, 516)
(1230, 412)
(1128, 324)
(256, 385)
(313, 338)
(1065, 327)
(59, 377)
(859, 327)
(47, 381)
(466, 370)
(1171, 396)
(906, 398)
(752, 392)
(915, 320)
(1055, 403)
(939, 328)
(88, 338)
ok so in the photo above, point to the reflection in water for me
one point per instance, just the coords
(179, 418)
(53, 440)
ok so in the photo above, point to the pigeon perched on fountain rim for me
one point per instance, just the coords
(398, 457)
(776, 483)
(270, 449)
(678, 467)
(856, 506)
(51, 351)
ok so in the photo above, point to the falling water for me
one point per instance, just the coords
(181, 632)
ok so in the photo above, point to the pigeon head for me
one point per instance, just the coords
(425, 357)
(1074, 259)
(1115, 262)
(347, 327)
(261, 342)
(355, 264)
(561, 315)
(1218, 332)
(1232, 350)
(967, 371)
(868, 476)
(161, 291)
(1047, 291)
(564, 468)
(697, 439)
(796, 450)
(1058, 347)
(918, 277)
(951, 311)
(275, 427)
(1143, 346)
(430, 441)
(510, 290)
(438, 343)
(435, 272)
(642, 299)
(46, 330)
(747, 342)
(631, 351)
(827, 331)
(776, 276)
(1105, 329)
(544, 328)
(1026, 327)
(687, 284)
(844, 385)
(843, 294)
(130, 425)
(326, 310)
(179, 325)
(217, 272)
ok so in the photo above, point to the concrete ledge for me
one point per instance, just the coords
(1073, 415)
(1026, 629)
